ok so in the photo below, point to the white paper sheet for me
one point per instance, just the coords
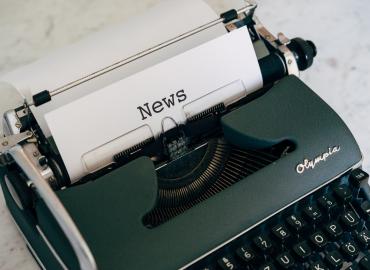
(89, 131)
(165, 21)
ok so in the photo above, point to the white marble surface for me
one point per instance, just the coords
(341, 72)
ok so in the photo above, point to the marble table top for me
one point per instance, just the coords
(340, 74)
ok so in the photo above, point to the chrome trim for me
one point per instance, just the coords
(34, 154)
(11, 123)
(60, 261)
(249, 7)
(85, 258)
(8, 142)
(13, 193)
(355, 166)
(28, 244)
(42, 235)
(290, 60)
(310, 164)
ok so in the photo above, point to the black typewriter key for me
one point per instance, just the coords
(296, 223)
(343, 192)
(285, 260)
(312, 213)
(327, 202)
(365, 263)
(227, 263)
(365, 209)
(334, 259)
(267, 266)
(263, 243)
(319, 240)
(334, 230)
(246, 254)
(363, 238)
(357, 176)
(280, 232)
(318, 265)
(302, 250)
(350, 250)
(350, 220)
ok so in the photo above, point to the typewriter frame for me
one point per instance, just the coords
(20, 147)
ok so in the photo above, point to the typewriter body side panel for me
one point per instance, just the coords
(115, 232)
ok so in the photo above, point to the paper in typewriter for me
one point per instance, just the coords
(163, 22)
(90, 131)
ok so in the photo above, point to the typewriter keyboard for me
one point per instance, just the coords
(329, 229)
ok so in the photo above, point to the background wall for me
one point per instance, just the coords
(340, 74)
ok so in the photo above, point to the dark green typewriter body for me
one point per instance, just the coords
(248, 217)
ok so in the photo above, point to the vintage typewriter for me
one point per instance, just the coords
(170, 143)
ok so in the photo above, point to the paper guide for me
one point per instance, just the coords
(91, 130)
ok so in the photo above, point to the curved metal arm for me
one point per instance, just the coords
(85, 258)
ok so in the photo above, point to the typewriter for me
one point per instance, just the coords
(169, 143)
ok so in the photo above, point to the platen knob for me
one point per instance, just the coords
(304, 51)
